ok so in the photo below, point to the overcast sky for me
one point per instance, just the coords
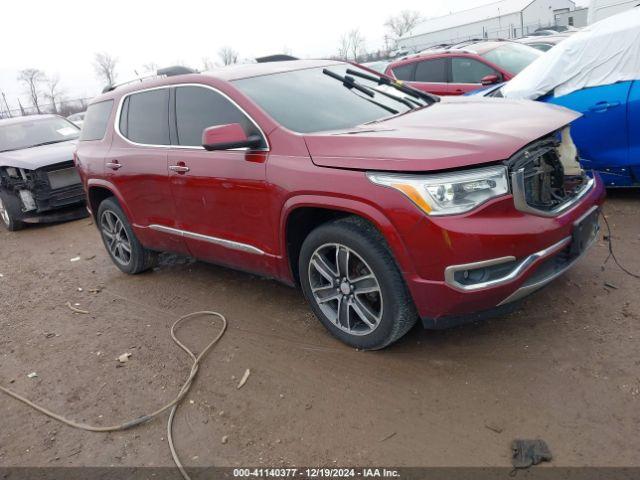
(61, 36)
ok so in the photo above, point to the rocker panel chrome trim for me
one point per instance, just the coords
(243, 247)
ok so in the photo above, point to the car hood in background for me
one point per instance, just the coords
(38, 157)
(453, 133)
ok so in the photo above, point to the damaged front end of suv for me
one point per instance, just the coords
(38, 179)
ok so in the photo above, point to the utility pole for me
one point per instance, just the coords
(21, 109)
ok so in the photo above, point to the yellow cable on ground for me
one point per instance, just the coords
(173, 405)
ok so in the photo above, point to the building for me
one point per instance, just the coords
(503, 19)
(574, 18)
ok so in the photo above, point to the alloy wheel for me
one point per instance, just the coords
(116, 237)
(345, 288)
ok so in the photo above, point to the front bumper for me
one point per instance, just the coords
(55, 216)
(526, 251)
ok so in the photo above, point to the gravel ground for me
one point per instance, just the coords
(565, 367)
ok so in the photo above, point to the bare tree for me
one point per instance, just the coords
(344, 47)
(54, 92)
(105, 67)
(356, 44)
(208, 64)
(151, 67)
(228, 55)
(32, 79)
(401, 24)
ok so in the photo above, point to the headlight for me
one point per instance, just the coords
(448, 193)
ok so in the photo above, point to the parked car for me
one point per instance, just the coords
(544, 43)
(77, 118)
(556, 29)
(384, 208)
(463, 68)
(597, 73)
(38, 180)
(379, 66)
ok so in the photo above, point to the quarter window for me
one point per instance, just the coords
(432, 71)
(198, 108)
(96, 119)
(468, 70)
(145, 117)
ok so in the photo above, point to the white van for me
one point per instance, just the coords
(600, 9)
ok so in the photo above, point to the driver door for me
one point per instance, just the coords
(221, 196)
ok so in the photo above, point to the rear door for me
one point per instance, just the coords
(137, 166)
(467, 74)
(433, 76)
(601, 134)
(221, 197)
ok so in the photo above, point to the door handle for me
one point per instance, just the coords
(603, 106)
(115, 165)
(179, 168)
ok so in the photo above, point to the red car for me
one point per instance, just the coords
(384, 204)
(463, 68)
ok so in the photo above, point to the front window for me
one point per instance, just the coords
(198, 108)
(468, 70)
(36, 131)
(308, 100)
(512, 57)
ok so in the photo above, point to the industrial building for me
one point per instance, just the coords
(503, 19)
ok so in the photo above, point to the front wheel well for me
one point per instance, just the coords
(300, 223)
(97, 195)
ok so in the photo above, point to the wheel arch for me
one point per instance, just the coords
(302, 214)
(98, 191)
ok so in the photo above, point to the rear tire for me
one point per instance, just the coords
(353, 284)
(122, 245)
(9, 208)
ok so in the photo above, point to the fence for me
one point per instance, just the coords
(64, 107)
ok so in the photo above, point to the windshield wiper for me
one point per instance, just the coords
(383, 80)
(351, 84)
(50, 142)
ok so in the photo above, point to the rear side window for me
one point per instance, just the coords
(145, 117)
(468, 70)
(96, 119)
(405, 72)
(432, 70)
(198, 108)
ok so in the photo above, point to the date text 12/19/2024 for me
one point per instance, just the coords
(311, 473)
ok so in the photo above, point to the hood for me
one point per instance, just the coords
(455, 132)
(38, 157)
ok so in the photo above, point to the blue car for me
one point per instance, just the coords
(608, 133)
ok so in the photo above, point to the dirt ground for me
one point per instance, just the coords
(565, 367)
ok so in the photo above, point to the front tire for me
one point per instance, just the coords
(353, 284)
(123, 247)
(8, 215)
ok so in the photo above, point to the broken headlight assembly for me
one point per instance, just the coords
(448, 193)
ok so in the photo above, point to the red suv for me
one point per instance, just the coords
(465, 67)
(384, 204)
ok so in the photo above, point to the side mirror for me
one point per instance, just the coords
(490, 79)
(227, 137)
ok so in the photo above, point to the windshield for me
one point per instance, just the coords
(309, 100)
(512, 57)
(36, 131)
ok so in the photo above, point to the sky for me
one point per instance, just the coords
(61, 37)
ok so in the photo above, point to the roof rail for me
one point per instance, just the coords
(161, 72)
